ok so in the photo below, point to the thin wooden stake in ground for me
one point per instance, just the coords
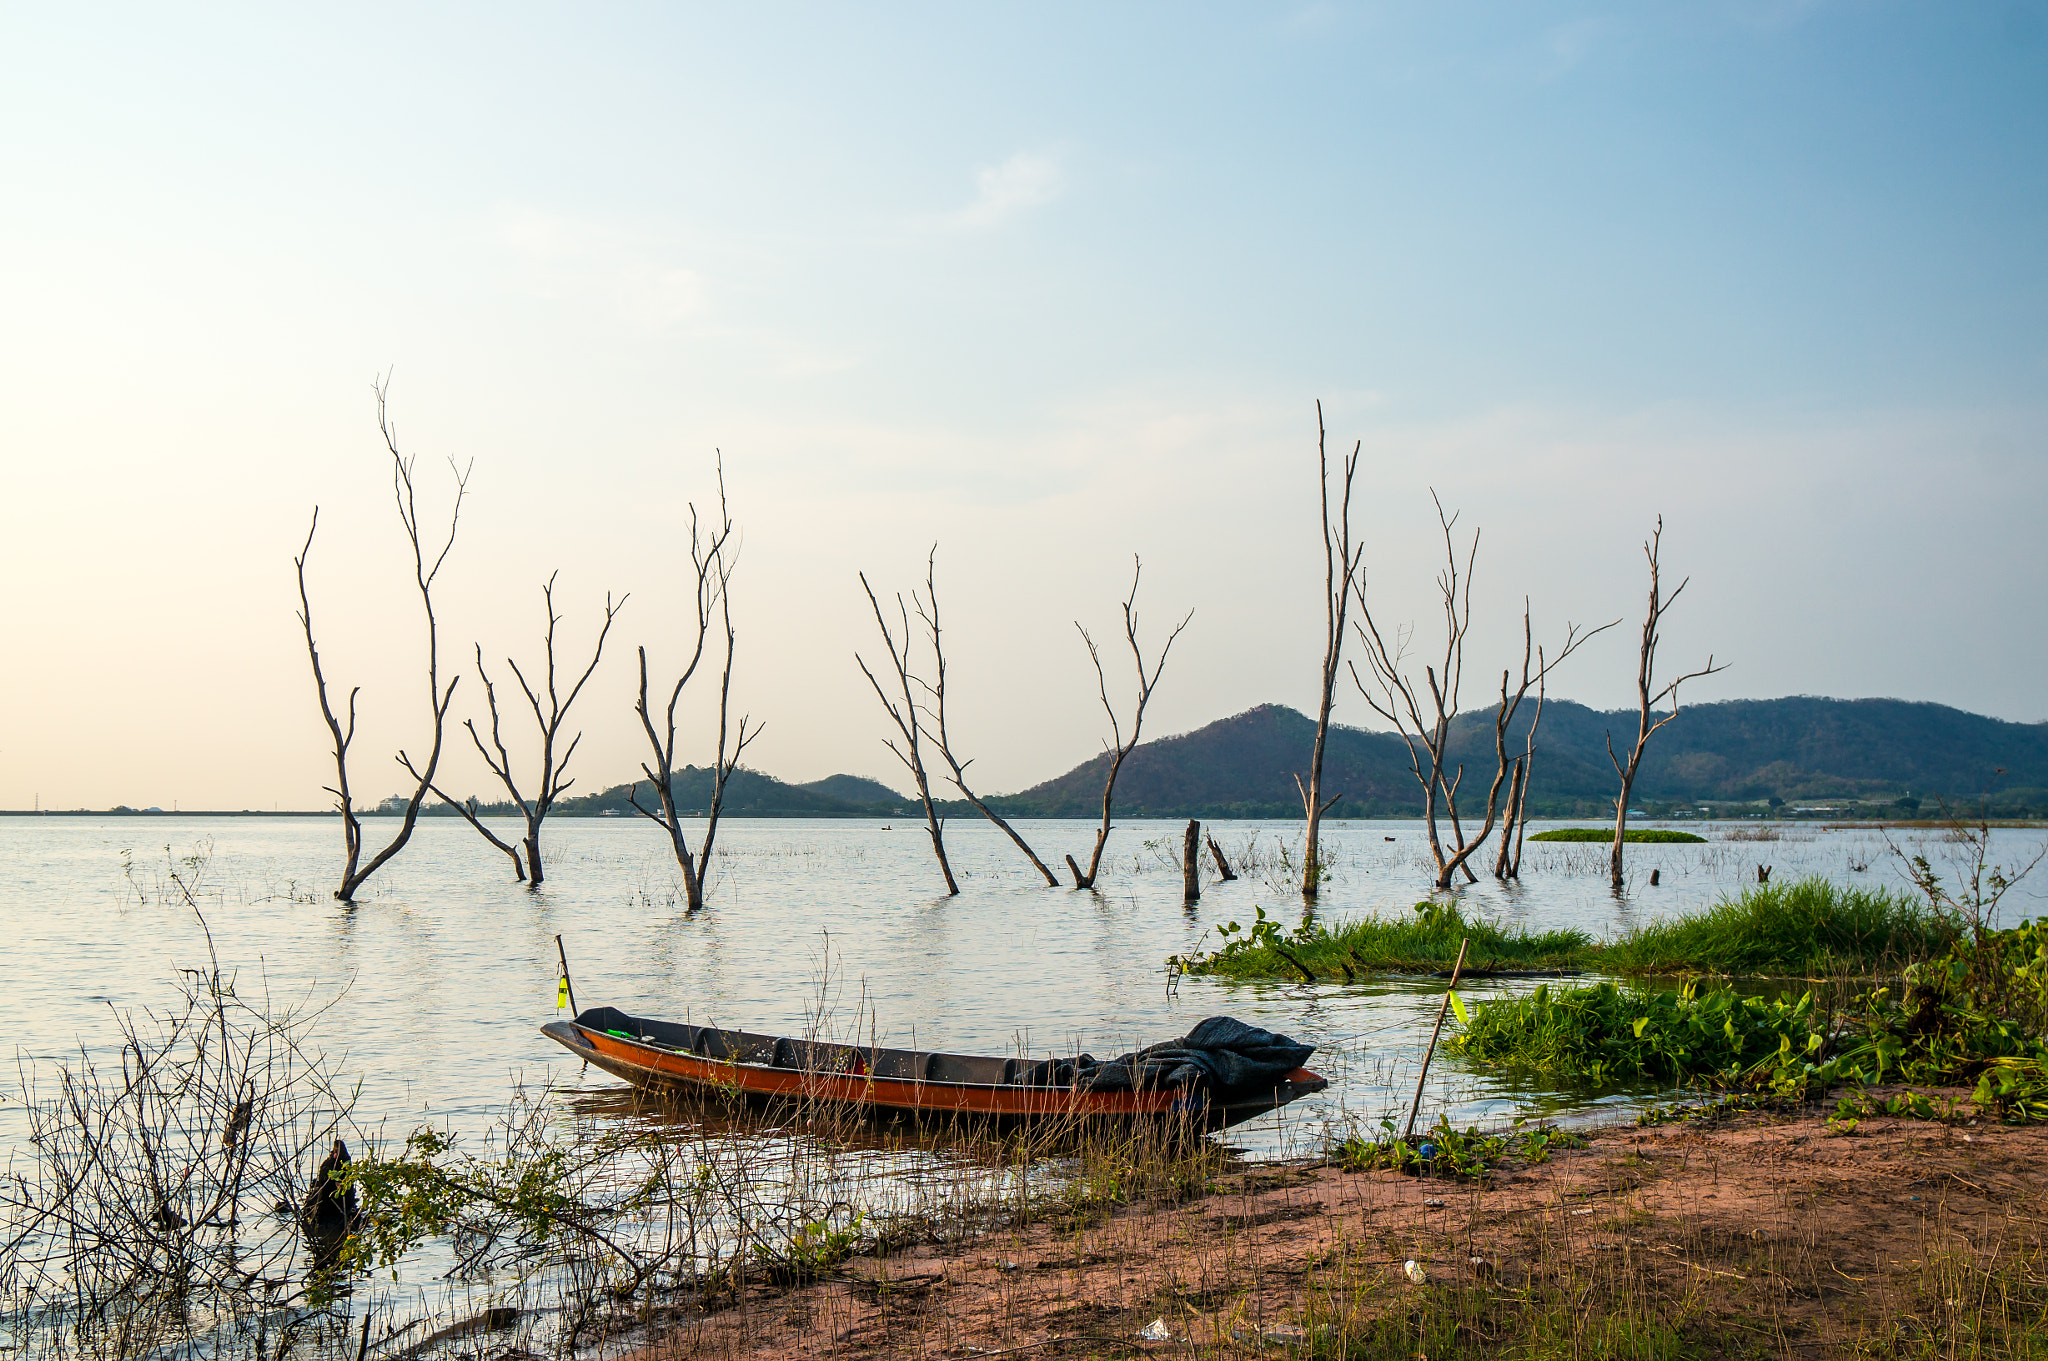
(1430, 1052)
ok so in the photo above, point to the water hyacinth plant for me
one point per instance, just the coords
(1607, 1034)
(1975, 1017)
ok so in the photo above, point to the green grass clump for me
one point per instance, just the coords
(1425, 941)
(1454, 1155)
(1652, 836)
(1809, 928)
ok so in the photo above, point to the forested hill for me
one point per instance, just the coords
(748, 793)
(1800, 750)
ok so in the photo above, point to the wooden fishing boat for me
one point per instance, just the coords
(769, 1069)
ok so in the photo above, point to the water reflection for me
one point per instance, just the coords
(446, 967)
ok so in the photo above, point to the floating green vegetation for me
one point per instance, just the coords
(1976, 1016)
(1806, 929)
(1651, 836)
(1425, 942)
(1606, 1034)
(1810, 928)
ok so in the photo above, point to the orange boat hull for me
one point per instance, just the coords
(650, 1065)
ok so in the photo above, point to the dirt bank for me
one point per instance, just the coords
(1756, 1234)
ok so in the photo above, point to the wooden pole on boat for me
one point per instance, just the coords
(571, 987)
(1430, 1052)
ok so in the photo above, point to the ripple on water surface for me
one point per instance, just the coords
(446, 968)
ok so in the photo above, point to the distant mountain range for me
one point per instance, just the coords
(1821, 756)
(1800, 750)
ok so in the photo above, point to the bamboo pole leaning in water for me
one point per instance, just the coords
(570, 988)
(1430, 1052)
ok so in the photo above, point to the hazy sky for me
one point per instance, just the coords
(1047, 286)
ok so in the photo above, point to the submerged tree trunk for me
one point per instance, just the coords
(354, 873)
(1222, 861)
(554, 780)
(1120, 749)
(928, 611)
(908, 725)
(713, 564)
(1340, 571)
(1399, 700)
(1647, 721)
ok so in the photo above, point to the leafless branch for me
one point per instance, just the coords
(713, 555)
(1118, 748)
(354, 873)
(935, 707)
(1647, 697)
(549, 719)
(1426, 729)
(905, 716)
(1342, 563)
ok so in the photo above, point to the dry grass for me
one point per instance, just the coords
(1758, 1237)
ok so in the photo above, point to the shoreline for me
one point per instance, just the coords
(1707, 1236)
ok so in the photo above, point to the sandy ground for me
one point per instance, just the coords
(1758, 1234)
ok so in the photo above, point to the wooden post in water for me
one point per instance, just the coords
(1222, 861)
(565, 977)
(1430, 1052)
(1191, 863)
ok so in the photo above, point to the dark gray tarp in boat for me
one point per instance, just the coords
(1221, 1055)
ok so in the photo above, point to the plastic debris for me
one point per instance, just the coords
(1284, 1335)
(1155, 1331)
(1433, 1204)
(1414, 1271)
(1006, 1265)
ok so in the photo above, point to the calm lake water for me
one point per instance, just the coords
(446, 968)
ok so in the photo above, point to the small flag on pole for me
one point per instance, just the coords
(561, 992)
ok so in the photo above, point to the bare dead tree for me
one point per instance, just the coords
(1647, 722)
(1427, 739)
(467, 809)
(909, 726)
(354, 872)
(1341, 561)
(712, 557)
(1117, 747)
(1508, 865)
(1426, 730)
(554, 778)
(935, 708)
